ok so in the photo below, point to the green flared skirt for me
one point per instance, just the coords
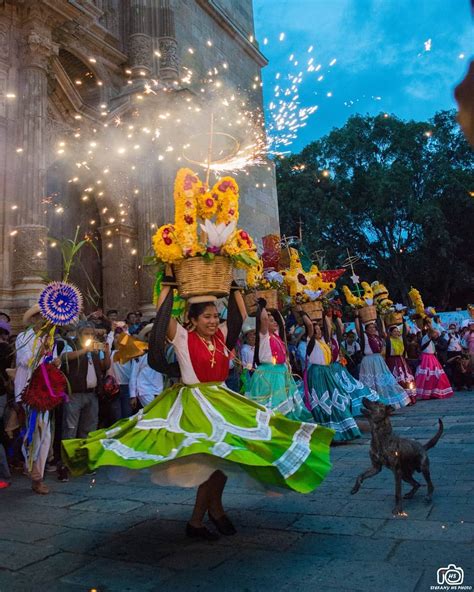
(273, 386)
(207, 424)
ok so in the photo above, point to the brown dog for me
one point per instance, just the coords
(401, 455)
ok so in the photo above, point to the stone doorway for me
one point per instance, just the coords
(68, 206)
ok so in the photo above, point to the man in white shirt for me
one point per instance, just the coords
(145, 383)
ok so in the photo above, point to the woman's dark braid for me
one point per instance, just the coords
(234, 322)
(157, 342)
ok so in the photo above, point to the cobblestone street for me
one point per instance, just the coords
(91, 533)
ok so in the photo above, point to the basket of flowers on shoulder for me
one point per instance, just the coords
(204, 244)
(266, 284)
(306, 290)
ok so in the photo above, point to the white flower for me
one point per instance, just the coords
(313, 294)
(273, 276)
(218, 234)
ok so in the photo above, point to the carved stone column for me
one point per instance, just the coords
(30, 248)
(120, 267)
(110, 17)
(169, 61)
(140, 43)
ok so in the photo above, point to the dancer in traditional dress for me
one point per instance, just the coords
(431, 380)
(347, 382)
(395, 357)
(325, 392)
(194, 431)
(374, 372)
(272, 383)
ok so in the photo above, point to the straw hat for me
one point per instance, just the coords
(249, 325)
(31, 312)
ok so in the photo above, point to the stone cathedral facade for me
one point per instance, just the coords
(44, 46)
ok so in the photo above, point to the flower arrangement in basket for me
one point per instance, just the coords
(201, 251)
(261, 283)
(363, 302)
(417, 301)
(381, 298)
(307, 289)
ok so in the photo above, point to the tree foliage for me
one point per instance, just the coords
(396, 194)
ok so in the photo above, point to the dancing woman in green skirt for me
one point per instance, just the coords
(198, 431)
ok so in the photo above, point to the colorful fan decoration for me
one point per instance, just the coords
(60, 303)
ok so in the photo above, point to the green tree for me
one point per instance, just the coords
(395, 193)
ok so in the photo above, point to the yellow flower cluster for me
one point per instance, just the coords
(186, 211)
(255, 277)
(381, 296)
(193, 201)
(358, 301)
(207, 201)
(240, 242)
(417, 302)
(227, 191)
(166, 244)
(299, 282)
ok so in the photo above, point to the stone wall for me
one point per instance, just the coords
(35, 37)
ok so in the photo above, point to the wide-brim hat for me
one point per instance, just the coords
(31, 312)
(249, 324)
(145, 332)
(5, 315)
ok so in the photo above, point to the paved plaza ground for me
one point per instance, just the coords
(93, 534)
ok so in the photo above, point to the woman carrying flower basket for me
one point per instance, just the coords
(325, 393)
(198, 431)
(374, 372)
(272, 384)
(354, 388)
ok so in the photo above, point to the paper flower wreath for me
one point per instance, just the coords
(60, 303)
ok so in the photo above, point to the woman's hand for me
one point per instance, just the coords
(133, 403)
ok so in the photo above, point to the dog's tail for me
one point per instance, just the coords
(436, 437)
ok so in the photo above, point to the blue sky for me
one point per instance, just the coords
(385, 61)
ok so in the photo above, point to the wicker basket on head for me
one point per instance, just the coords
(271, 296)
(394, 318)
(313, 309)
(368, 314)
(197, 276)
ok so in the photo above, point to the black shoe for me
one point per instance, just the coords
(201, 533)
(223, 524)
(63, 474)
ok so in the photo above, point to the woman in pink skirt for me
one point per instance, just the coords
(431, 380)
